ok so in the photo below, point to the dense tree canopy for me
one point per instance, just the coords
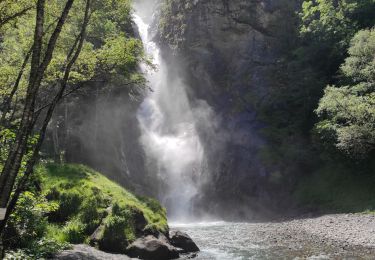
(49, 49)
(320, 109)
(348, 111)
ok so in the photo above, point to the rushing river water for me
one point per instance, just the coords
(243, 241)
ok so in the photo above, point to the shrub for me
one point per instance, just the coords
(114, 237)
(69, 204)
(18, 255)
(46, 248)
(92, 215)
(42, 249)
(28, 223)
(74, 232)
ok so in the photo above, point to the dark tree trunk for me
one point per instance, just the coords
(13, 162)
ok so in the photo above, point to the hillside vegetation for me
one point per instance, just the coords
(75, 205)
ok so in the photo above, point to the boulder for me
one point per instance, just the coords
(151, 248)
(182, 240)
(97, 236)
(84, 252)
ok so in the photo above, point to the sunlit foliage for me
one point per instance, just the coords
(348, 112)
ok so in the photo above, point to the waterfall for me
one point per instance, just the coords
(169, 134)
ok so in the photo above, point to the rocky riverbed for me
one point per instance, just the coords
(342, 230)
(349, 236)
(342, 236)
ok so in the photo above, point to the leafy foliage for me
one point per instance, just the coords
(329, 35)
(28, 226)
(73, 203)
(348, 112)
(309, 126)
(110, 52)
(87, 200)
(338, 188)
(28, 223)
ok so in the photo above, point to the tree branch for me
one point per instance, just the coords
(30, 164)
(14, 16)
(8, 100)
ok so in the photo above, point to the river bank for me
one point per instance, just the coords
(341, 229)
(341, 236)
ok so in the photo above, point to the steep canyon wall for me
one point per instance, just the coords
(229, 52)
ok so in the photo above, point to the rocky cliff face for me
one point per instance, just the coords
(228, 51)
(98, 127)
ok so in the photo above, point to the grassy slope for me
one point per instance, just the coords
(85, 198)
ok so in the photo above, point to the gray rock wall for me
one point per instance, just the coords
(228, 51)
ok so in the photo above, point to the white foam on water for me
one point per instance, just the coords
(197, 224)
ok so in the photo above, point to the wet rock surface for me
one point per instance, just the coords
(150, 248)
(340, 236)
(182, 240)
(229, 52)
(85, 252)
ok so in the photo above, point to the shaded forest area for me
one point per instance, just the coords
(322, 112)
(50, 50)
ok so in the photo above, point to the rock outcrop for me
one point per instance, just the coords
(150, 248)
(182, 240)
(228, 51)
(85, 252)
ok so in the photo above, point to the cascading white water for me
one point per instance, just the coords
(169, 133)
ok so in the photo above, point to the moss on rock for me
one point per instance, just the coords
(94, 209)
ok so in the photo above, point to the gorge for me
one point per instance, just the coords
(198, 127)
(205, 129)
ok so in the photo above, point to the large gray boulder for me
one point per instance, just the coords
(85, 252)
(152, 248)
(182, 240)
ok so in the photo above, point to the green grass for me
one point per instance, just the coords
(338, 189)
(87, 199)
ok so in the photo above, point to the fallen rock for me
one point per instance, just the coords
(85, 252)
(96, 236)
(151, 248)
(182, 240)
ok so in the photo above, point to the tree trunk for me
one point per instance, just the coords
(14, 159)
(77, 47)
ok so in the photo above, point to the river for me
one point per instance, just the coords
(243, 241)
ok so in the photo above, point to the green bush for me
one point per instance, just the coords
(42, 249)
(28, 222)
(18, 255)
(74, 232)
(69, 205)
(84, 198)
(91, 214)
(47, 248)
(114, 238)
